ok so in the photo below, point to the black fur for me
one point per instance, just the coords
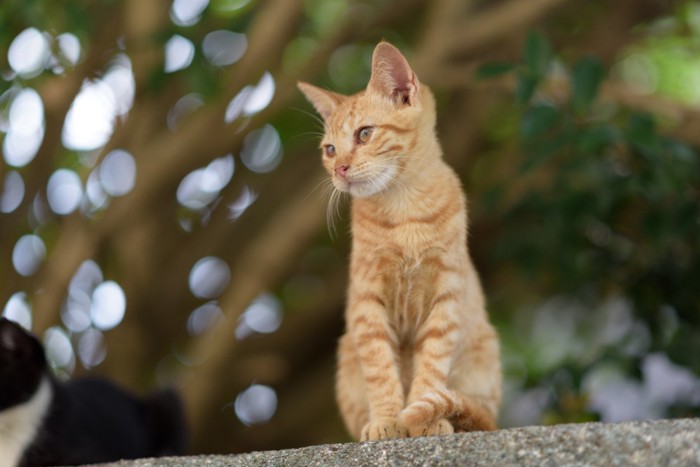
(89, 420)
(22, 364)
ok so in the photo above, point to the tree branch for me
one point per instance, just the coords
(478, 31)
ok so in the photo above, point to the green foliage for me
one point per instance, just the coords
(325, 15)
(230, 8)
(592, 253)
(491, 70)
(586, 77)
(69, 15)
(611, 208)
(537, 55)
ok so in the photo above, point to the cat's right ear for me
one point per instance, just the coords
(325, 102)
(392, 76)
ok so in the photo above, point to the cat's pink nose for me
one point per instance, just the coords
(342, 170)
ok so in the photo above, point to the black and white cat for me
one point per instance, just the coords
(46, 422)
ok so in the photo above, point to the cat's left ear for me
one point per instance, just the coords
(325, 102)
(392, 76)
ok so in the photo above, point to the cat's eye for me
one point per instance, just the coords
(330, 150)
(364, 134)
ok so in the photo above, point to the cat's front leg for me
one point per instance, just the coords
(377, 347)
(429, 400)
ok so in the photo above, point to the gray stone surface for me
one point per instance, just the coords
(654, 443)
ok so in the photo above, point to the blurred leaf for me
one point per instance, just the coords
(526, 86)
(493, 197)
(77, 15)
(349, 67)
(230, 8)
(491, 70)
(593, 140)
(537, 120)
(681, 152)
(641, 132)
(586, 77)
(537, 54)
(538, 154)
(325, 14)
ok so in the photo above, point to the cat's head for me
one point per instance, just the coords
(370, 136)
(22, 364)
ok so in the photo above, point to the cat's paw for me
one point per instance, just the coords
(383, 428)
(440, 427)
(421, 413)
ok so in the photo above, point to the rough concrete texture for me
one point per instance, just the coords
(654, 443)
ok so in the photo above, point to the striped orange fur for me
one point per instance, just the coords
(419, 356)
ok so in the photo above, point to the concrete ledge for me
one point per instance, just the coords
(653, 443)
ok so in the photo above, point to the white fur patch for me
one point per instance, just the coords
(19, 425)
(373, 184)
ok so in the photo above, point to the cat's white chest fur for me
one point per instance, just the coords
(19, 425)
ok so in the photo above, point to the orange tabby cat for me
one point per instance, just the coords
(419, 356)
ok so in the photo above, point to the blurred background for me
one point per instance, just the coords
(163, 218)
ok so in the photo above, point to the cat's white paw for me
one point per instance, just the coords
(383, 428)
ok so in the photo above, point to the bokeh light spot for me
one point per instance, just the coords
(261, 95)
(76, 313)
(238, 207)
(217, 174)
(27, 112)
(209, 277)
(204, 318)
(28, 254)
(91, 348)
(237, 104)
(19, 150)
(251, 99)
(108, 305)
(69, 45)
(224, 47)
(94, 191)
(256, 404)
(183, 107)
(40, 212)
(262, 150)
(187, 12)
(59, 349)
(117, 172)
(17, 309)
(12, 192)
(90, 119)
(86, 278)
(64, 191)
(202, 186)
(263, 315)
(25, 128)
(28, 52)
(120, 81)
(179, 52)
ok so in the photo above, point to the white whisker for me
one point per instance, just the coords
(333, 211)
(315, 117)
